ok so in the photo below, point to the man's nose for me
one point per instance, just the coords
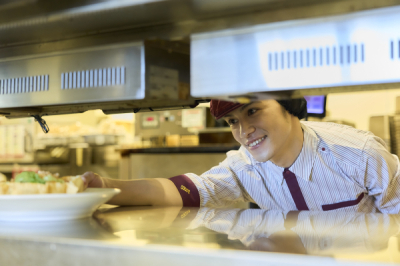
(246, 129)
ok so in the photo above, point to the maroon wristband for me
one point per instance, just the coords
(187, 189)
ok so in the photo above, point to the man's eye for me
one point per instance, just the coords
(251, 111)
(232, 121)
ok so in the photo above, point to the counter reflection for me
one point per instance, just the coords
(337, 234)
(340, 235)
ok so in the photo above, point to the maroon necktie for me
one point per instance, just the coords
(295, 190)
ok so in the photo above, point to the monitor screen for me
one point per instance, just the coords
(316, 105)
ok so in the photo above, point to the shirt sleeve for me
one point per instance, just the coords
(219, 186)
(382, 176)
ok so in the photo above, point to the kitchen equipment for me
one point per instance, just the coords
(347, 52)
(382, 126)
(110, 78)
(238, 48)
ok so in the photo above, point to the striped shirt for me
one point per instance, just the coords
(321, 233)
(339, 167)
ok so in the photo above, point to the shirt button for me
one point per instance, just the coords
(323, 149)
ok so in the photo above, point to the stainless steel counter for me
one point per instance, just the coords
(193, 236)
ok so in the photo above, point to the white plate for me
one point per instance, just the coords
(53, 207)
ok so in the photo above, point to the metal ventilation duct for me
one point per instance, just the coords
(127, 77)
(59, 57)
(356, 51)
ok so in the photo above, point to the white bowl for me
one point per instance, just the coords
(53, 207)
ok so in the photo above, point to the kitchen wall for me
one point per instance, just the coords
(358, 107)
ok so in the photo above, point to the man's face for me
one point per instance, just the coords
(264, 128)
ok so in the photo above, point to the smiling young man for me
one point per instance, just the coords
(282, 164)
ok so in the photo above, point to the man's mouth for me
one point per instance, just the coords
(256, 142)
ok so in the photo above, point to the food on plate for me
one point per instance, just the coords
(42, 182)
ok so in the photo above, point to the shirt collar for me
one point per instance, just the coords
(305, 161)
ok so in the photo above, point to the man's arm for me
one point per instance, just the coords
(382, 175)
(149, 191)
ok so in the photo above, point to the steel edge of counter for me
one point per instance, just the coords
(103, 253)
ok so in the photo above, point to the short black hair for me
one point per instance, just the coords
(296, 107)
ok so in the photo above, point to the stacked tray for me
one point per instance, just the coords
(395, 134)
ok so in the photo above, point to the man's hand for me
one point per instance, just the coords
(91, 179)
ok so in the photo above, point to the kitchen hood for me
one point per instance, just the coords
(127, 77)
(60, 57)
(348, 52)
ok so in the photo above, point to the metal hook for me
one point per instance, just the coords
(42, 123)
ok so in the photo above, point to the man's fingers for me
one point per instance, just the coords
(87, 178)
(91, 179)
